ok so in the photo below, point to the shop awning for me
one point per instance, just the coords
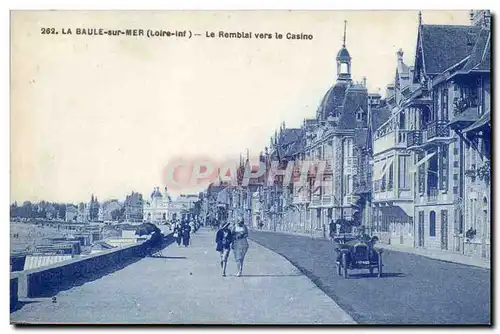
(422, 161)
(465, 118)
(479, 125)
(379, 173)
(394, 211)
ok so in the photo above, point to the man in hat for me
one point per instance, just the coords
(224, 239)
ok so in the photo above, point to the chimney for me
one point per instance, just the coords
(400, 54)
(364, 82)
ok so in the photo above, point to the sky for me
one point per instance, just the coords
(105, 115)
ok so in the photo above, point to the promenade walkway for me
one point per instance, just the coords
(186, 287)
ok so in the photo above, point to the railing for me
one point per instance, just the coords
(414, 138)
(402, 137)
(316, 200)
(437, 129)
(327, 200)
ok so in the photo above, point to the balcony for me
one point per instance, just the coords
(301, 196)
(438, 129)
(391, 138)
(316, 201)
(413, 138)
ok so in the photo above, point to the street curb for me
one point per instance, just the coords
(433, 258)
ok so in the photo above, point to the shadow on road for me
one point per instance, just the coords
(271, 275)
(19, 305)
(168, 257)
(368, 275)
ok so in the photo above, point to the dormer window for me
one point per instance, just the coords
(359, 115)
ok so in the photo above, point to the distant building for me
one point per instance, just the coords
(134, 206)
(83, 213)
(107, 210)
(181, 206)
(157, 207)
(71, 213)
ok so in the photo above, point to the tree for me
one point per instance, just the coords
(118, 214)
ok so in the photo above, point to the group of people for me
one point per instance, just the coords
(182, 232)
(232, 238)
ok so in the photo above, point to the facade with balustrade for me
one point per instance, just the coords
(308, 207)
(393, 210)
(440, 154)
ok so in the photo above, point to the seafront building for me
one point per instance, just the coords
(412, 167)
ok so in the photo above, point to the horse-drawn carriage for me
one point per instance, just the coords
(359, 254)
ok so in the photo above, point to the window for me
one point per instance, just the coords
(435, 108)
(443, 170)
(391, 177)
(404, 176)
(343, 68)
(318, 220)
(455, 164)
(455, 190)
(444, 102)
(487, 92)
(455, 151)
(455, 177)
(432, 224)
(359, 114)
(421, 174)
(402, 120)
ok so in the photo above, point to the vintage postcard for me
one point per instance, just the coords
(250, 167)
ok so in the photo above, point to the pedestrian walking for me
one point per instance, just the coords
(332, 229)
(186, 234)
(192, 226)
(224, 240)
(240, 244)
(178, 234)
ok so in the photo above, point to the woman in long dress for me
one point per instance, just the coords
(224, 239)
(178, 234)
(240, 244)
(186, 234)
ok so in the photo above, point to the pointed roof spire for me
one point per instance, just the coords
(420, 18)
(345, 27)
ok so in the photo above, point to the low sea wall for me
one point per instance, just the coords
(48, 280)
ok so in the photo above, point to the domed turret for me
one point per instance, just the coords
(344, 61)
(156, 193)
(343, 54)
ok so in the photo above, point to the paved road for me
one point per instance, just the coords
(415, 290)
(185, 286)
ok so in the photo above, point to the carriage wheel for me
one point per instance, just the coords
(344, 265)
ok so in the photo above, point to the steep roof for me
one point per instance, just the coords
(289, 142)
(480, 57)
(356, 97)
(360, 137)
(445, 45)
(379, 116)
(332, 101)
